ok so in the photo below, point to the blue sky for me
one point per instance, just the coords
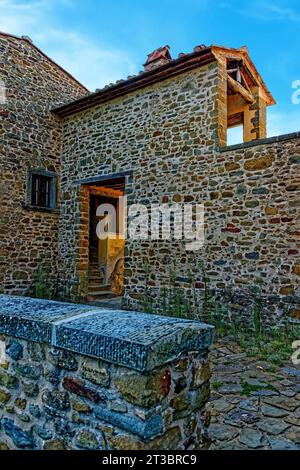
(102, 41)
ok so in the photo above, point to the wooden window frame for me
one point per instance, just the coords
(41, 198)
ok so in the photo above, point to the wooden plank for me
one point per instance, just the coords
(238, 88)
(235, 120)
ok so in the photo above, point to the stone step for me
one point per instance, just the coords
(100, 291)
(97, 295)
(114, 303)
(98, 287)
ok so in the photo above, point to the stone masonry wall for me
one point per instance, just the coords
(167, 136)
(30, 139)
(52, 397)
(170, 148)
(162, 130)
(251, 197)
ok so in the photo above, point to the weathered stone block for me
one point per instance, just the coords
(144, 390)
(260, 163)
(146, 429)
(296, 269)
(169, 441)
(294, 159)
(124, 442)
(53, 375)
(96, 372)
(31, 389)
(56, 399)
(35, 410)
(232, 166)
(21, 439)
(187, 402)
(42, 432)
(15, 350)
(4, 396)
(201, 373)
(80, 388)
(295, 313)
(86, 439)
(56, 444)
(8, 380)
(28, 371)
(80, 406)
(20, 403)
(36, 352)
(131, 339)
(63, 359)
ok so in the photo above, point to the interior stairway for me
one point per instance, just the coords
(97, 289)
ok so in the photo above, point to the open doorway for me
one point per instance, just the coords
(106, 254)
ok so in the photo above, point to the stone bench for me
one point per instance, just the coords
(78, 377)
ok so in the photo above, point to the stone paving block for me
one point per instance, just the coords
(273, 412)
(251, 438)
(282, 444)
(273, 426)
(289, 404)
(222, 432)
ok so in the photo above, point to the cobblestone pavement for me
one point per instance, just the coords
(253, 405)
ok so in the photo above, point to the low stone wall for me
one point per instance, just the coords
(76, 377)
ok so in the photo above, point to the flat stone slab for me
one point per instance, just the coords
(282, 444)
(273, 412)
(291, 371)
(251, 438)
(273, 426)
(222, 432)
(240, 417)
(32, 319)
(133, 339)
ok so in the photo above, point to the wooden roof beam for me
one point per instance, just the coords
(238, 88)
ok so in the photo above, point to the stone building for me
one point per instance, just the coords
(30, 145)
(161, 138)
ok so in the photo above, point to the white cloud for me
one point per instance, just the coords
(279, 12)
(91, 62)
(263, 10)
(16, 17)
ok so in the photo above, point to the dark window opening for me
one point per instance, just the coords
(41, 187)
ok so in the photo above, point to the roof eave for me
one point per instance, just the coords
(176, 67)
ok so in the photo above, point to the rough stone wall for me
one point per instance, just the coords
(77, 376)
(251, 198)
(167, 135)
(53, 399)
(163, 130)
(30, 139)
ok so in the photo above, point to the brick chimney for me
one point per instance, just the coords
(160, 56)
